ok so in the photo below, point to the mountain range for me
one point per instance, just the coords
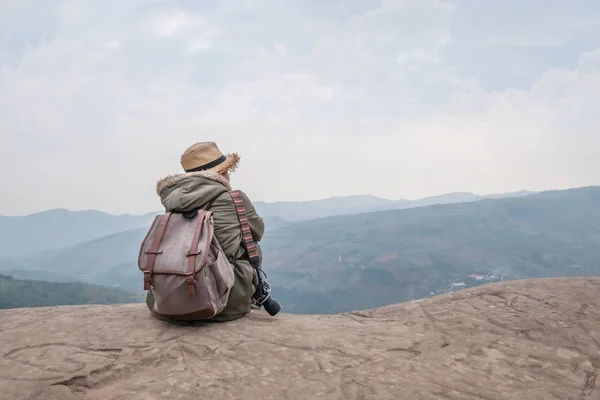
(347, 205)
(22, 236)
(367, 260)
(356, 261)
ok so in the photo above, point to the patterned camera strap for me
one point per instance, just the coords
(248, 240)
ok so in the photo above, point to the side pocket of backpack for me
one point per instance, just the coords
(222, 271)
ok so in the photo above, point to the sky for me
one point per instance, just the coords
(320, 98)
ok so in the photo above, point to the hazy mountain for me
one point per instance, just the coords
(21, 236)
(109, 261)
(391, 256)
(348, 205)
(17, 293)
(272, 223)
(303, 210)
(37, 275)
(366, 260)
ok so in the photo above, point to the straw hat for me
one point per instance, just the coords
(206, 156)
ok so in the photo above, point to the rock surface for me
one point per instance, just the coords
(532, 339)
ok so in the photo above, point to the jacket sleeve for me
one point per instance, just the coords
(257, 225)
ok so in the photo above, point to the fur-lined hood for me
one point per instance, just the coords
(174, 179)
(191, 190)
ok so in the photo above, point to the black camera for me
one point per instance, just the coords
(262, 296)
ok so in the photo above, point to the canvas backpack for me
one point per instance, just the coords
(185, 267)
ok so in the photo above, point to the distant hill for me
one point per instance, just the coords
(37, 275)
(347, 205)
(273, 223)
(378, 258)
(21, 236)
(17, 293)
(304, 210)
(109, 261)
(366, 260)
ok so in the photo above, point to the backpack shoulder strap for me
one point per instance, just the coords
(247, 239)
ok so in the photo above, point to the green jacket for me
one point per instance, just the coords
(188, 191)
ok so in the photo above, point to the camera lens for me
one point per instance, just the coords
(271, 306)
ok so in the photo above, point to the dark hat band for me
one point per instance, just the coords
(209, 165)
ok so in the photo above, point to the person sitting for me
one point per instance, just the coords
(206, 180)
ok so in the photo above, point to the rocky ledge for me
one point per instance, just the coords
(530, 339)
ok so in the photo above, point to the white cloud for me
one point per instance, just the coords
(113, 44)
(418, 56)
(319, 100)
(171, 22)
(199, 45)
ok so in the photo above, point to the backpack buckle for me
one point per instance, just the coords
(191, 283)
(150, 251)
(147, 280)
